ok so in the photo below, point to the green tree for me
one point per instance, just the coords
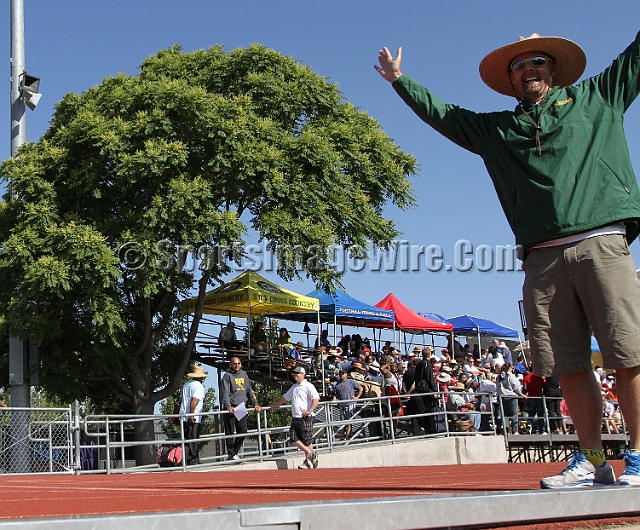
(139, 170)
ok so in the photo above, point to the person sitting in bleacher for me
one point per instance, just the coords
(323, 340)
(296, 355)
(259, 342)
(285, 343)
(227, 339)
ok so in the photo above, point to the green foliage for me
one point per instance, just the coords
(192, 151)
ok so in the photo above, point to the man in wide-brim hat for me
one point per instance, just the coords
(191, 405)
(561, 167)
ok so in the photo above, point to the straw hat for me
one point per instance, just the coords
(569, 61)
(458, 386)
(443, 377)
(356, 366)
(198, 372)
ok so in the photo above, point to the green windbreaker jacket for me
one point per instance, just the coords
(582, 180)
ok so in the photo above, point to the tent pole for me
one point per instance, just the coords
(335, 329)
(394, 333)
(479, 344)
(323, 382)
(249, 326)
(270, 348)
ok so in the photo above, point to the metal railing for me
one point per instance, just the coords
(56, 440)
(371, 421)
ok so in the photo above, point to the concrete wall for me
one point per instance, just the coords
(421, 452)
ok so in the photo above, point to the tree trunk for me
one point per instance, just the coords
(143, 430)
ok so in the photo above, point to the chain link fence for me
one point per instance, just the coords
(35, 440)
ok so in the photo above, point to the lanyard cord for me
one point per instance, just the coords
(536, 125)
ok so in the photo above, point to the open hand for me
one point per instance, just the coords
(389, 67)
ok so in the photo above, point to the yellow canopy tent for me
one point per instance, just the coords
(251, 294)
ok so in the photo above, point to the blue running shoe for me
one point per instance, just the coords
(581, 473)
(631, 475)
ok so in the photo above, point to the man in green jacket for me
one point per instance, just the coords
(560, 166)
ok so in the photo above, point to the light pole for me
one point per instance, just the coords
(24, 91)
(18, 350)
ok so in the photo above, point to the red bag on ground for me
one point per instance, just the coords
(170, 455)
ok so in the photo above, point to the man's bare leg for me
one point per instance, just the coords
(628, 387)
(584, 400)
(308, 449)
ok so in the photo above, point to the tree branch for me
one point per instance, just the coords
(193, 331)
(146, 332)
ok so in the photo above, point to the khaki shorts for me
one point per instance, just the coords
(572, 289)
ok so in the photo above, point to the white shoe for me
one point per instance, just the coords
(580, 473)
(631, 475)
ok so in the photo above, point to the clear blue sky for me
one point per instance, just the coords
(73, 44)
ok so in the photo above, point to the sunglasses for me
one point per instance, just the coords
(537, 62)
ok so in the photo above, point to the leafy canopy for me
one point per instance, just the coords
(193, 150)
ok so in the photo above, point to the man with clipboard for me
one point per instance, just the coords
(235, 391)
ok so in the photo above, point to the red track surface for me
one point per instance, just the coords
(66, 495)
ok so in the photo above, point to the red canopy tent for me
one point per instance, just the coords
(406, 318)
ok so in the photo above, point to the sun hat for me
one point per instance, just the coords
(443, 378)
(417, 349)
(356, 366)
(458, 386)
(301, 344)
(568, 57)
(198, 372)
(375, 365)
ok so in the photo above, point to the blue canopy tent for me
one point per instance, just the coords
(481, 326)
(342, 309)
(435, 316)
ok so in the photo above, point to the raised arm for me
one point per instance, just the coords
(389, 67)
